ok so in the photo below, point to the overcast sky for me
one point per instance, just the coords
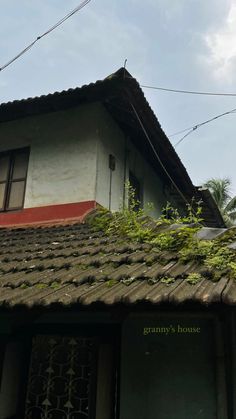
(179, 44)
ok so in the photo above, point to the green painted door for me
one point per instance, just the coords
(168, 368)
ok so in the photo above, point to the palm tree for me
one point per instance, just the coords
(220, 190)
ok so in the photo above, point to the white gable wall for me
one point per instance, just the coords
(62, 163)
(113, 141)
(69, 158)
(151, 184)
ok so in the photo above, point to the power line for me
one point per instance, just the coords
(60, 22)
(193, 128)
(180, 132)
(159, 159)
(190, 92)
(157, 156)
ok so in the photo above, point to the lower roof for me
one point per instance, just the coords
(72, 265)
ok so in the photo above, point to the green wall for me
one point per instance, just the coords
(168, 373)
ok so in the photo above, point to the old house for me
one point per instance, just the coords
(93, 325)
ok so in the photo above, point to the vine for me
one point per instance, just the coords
(174, 233)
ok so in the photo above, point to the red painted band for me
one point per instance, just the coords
(48, 213)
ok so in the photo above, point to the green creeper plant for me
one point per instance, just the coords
(213, 257)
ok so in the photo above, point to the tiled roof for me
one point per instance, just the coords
(67, 265)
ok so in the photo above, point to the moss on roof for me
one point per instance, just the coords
(117, 258)
(215, 257)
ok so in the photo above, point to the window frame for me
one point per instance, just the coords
(137, 186)
(9, 181)
(102, 334)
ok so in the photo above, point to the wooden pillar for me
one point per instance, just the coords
(105, 382)
(220, 373)
(233, 360)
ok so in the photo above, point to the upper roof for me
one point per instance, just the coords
(73, 265)
(122, 96)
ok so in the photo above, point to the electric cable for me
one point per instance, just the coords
(52, 28)
(156, 154)
(159, 160)
(190, 92)
(195, 127)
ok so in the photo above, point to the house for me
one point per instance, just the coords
(96, 325)
(75, 149)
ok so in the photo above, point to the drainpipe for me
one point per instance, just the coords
(126, 153)
(112, 166)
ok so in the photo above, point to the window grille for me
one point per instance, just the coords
(61, 378)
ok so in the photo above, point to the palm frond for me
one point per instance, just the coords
(232, 215)
(220, 190)
(231, 205)
(228, 222)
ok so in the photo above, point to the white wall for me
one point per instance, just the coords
(151, 184)
(113, 141)
(69, 158)
(62, 164)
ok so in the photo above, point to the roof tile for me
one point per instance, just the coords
(69, 265)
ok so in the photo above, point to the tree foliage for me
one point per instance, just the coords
(221, 192)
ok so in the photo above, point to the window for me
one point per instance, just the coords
(135, 185)
(13, 171)
(71, 377)
(62, 378)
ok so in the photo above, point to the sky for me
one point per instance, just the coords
(177, 44)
